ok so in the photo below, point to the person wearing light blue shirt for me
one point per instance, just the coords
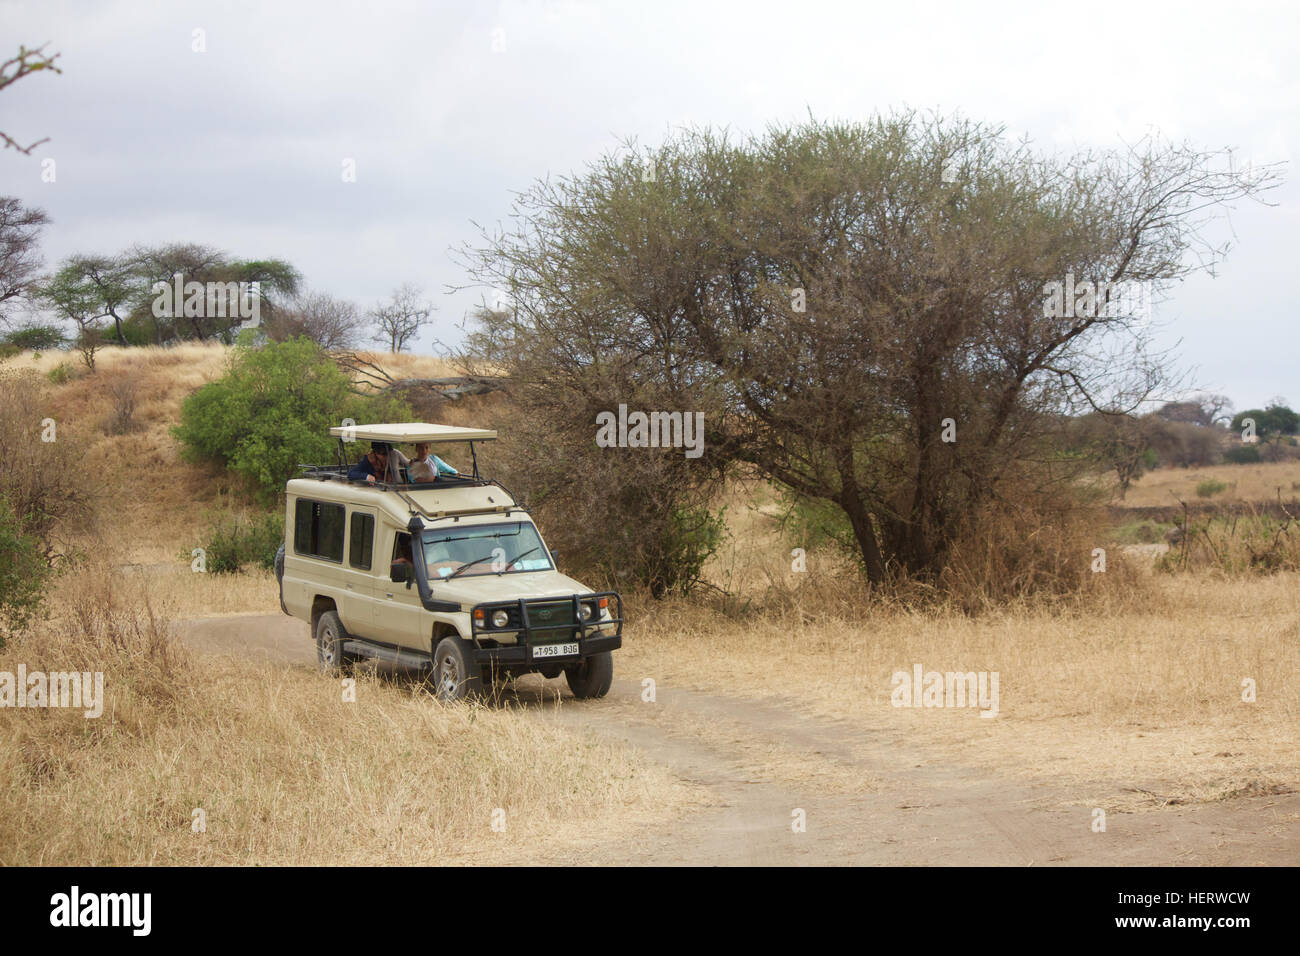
(428, 467)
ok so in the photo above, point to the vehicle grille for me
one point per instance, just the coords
(550, 614)
(542, 615)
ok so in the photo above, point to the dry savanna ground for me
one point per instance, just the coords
(1130, 698)
(1263, 482)
(273, 766)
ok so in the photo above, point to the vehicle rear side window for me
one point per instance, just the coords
(318, 529)
(361, 544)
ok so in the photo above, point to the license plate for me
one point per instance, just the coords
(554, 650)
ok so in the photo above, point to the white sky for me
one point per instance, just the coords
(242, 146)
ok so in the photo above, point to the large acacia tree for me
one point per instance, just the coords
(862, 308)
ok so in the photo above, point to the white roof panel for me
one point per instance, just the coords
(413, 432)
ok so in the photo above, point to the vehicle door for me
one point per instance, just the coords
(359, 567)
(400, 617)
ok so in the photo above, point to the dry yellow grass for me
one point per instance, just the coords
(407, 365)
(1140, 683)
(190, 595)
(205, 360)
(284, 769)
(1166, 486)
(1149, 693)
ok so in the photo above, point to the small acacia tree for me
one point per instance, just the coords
(76, 299)
(864, 309)
(399, 320)
(330, 322)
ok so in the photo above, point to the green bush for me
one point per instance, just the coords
(138, 330)
(691, 538)
(61, 374)
(1242, 455)
(37, 337)
(1141, 532)
(234, 542)
(24, 574)
(1210, 487)
(8, 351)
(272, 411)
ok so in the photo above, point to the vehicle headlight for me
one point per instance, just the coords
(586, 611)
(500, 618)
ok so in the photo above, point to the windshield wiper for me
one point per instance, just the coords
(511, 563)
(466, 567)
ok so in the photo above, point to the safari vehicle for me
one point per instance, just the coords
(450, 576)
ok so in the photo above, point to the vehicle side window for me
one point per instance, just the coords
(318, 529)
(361, 544)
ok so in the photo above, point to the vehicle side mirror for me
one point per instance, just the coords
(555, 558)
(400, 572)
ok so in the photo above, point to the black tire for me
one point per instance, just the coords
(330, 635)
(455, 675)
(591, 678)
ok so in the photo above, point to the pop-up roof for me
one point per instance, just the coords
(412, 432)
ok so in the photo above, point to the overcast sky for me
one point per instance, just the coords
(448, 108)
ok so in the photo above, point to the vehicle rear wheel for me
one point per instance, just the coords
(591, 678)
(455, 676)
(330, 635)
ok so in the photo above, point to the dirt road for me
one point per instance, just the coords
(868, 795)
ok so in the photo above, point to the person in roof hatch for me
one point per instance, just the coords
(374, 467)
(427, 467)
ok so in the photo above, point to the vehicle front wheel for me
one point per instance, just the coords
(455, 676)
(330, 635)
(591, 678)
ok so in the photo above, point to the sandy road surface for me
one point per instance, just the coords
(870, 794)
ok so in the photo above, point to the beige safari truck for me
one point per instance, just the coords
(451, 576)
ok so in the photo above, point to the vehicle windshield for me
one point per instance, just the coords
(484, 549)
